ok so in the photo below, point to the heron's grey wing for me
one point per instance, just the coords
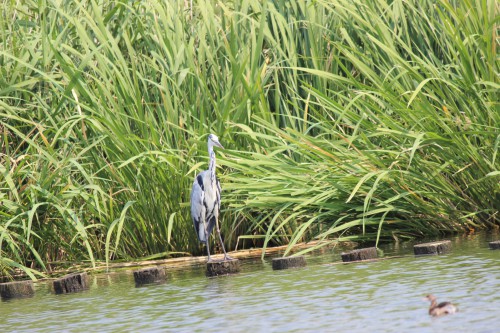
(212, 203)
(198, 209)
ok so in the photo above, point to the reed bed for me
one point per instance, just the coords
(342, 120)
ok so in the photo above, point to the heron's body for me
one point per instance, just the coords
(205, 204)
(205, 199)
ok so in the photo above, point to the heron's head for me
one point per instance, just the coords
(213, 140)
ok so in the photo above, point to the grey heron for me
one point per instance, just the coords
(205, 199)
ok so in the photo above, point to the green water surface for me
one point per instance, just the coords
(382, 296)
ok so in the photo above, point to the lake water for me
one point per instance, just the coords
(381, 296)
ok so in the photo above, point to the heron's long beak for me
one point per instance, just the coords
(218, 144)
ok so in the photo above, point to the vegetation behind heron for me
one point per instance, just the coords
(360, 120)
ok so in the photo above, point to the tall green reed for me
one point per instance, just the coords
(402, 139)
(342, 120)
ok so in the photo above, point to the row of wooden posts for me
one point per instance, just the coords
(80, 281)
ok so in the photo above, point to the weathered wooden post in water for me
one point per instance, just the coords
(71, 283)
(289, 262)
(222, 267)
(360, 254)
(495, 245)
(17, 289)
(438, 247)
(149, 275)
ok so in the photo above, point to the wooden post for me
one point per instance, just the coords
(360, 254)
(149, 275)
(495, 245)
(17, 289)
(438, 247)
(222, 267)
(71, 283)
(289, 262)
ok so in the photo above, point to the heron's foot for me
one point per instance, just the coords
(226, 257)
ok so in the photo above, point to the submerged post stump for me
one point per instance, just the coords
(222, 267)
(438, 247)
(149, 275)
(495, 245)
(71, 283)
(289, 262)
(17, 289)
(360, 254)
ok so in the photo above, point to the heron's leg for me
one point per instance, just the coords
(226, 257)
(206, 242)
(208, 249)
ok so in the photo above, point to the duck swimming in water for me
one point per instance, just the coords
(440, 309)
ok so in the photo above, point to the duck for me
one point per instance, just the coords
(443, 308)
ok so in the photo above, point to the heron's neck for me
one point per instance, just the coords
(211, 165)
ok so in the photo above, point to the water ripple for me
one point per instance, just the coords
(382, 296)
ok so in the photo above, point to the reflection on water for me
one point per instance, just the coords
(382, 296)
